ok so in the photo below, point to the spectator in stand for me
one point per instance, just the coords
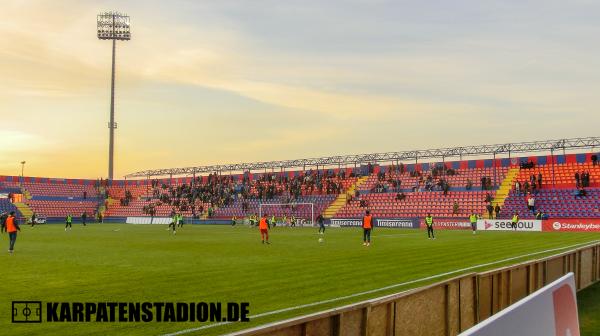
(518, 187)
(577, 180)
(539, 215)
(580, 192)
(490, 210)
(469, 184)
(531, 202)
(455, 208)
(532, 180)
(400, 196)
(483, 183)
(594, 159)
(539, 180)
(446, 187)
(488, 197)
(497, 210)
(526, 187)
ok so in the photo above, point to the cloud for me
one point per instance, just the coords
(314, 72)
(16, 141)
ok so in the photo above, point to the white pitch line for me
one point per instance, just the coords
(397, 234)
(187, 331)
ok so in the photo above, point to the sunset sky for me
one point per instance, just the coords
(206, 82)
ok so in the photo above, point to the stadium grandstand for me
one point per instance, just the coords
(564, 185)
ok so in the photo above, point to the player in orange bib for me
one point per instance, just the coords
(263, 226)
(367, 227)
(12, 227)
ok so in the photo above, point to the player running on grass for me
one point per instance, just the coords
(473, 219)
(173, 223)
(515, 220)
(284, 221)
(263, 226)
(429, 223)
(68, 222)
(33, 219)
(367, 225)
(321, 222)
(253, 221)
(12, 226)
(3, 217)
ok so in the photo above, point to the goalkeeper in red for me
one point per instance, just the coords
(263, 226)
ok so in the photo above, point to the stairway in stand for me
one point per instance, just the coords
(505, 187)
(24, 209)
(341, 200)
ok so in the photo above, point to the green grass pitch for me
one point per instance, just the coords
(138, 263)
(589, 310)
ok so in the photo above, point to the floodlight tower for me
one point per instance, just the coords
(113, 26)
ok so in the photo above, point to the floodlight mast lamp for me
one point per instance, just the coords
(113, 26)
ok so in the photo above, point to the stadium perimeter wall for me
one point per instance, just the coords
(445, 308)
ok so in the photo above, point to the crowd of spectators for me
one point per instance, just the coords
(529, 186)
(222, 190)
(127, 199)
(431, 183)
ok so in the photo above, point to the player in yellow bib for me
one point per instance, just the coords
(473, 219)
(429, 223)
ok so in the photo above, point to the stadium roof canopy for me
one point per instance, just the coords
(358, 159)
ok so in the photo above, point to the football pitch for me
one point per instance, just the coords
(295, 275)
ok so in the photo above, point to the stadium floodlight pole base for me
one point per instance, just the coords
(312, 209)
